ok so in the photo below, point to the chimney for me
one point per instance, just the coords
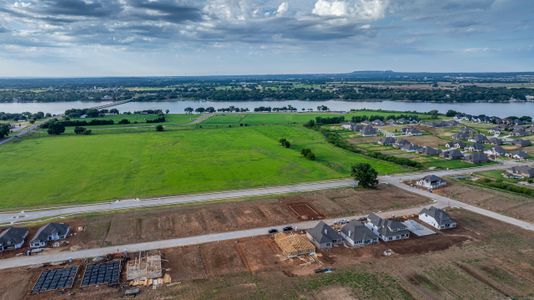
(350, 232)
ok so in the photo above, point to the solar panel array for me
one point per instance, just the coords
(102, 273)
(55, 279)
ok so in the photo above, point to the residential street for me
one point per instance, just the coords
(32, 215)
(186, 241)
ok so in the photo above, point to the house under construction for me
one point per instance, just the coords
(293, 244)
(144, 266)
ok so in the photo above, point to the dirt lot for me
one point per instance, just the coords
(516, 206)
(181, 221)
(481, 259)
(426, 140)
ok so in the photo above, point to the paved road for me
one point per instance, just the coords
(438, 200)
(171, 243)
(32, 215)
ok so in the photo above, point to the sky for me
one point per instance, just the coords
(64, 38)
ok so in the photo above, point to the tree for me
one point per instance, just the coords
(451, 113)
(82, 130)
(5, 129)
(159, 128)
(200, 110)
(307, 153)
(167, 111)
(56, 128)
(309, 124)
(365, 175)
(285, 143)
(124, 121)
(188, 110)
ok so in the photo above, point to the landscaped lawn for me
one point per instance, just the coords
(49, 170)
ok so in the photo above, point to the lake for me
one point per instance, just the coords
(490, 109)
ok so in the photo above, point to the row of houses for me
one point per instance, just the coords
(452, 153)
(363, 129)
(358, 233)
(14, 238)
(509, 121)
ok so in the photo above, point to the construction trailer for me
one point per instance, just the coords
(294, 244)
(144, 266)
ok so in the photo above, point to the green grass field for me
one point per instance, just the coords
(170, 118)
(51, 170)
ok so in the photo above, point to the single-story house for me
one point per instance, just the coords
(387, 141)
(401, 143)
(459, 145)
(460, 136)
(356, 234)
(479, 138)
(387, 230)
(496, 151)
(324, 236)
(519, 155)
(477, 158)
(476, 147)
(347, 126)
(431, 182)
(452, 154)
(495, 130)
(521, 171)
(522, 143)
(49, 232)
(437, 218)
(12, 238)
(411, 131)
(369, 131)
(495, 141)
(410, 147)
(427, 150)
(378, 122)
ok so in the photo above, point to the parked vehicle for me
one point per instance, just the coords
(273, 230)
(287, 228)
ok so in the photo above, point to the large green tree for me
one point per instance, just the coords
(365, 175)
(4, 130)
(56, 128)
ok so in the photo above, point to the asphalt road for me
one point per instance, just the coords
(32, 215)
(397, 180)
(23, 261)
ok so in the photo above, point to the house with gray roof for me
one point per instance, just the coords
(323, 236)
(49, 232)
(479, 138)
(477, 158)
(495, 141)
(387, 141)
(460, 136)
(356, 234)
(521, 172)
(12, 238)
(387, 230)
(522, 143)
(452, 154)
(401, 143)
(427, 150)
(411, 131)
(496, 151)
(476, 147)
(518, 155)
(437, 218)
(431, 182)
(369, 131)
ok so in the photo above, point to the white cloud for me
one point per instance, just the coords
(282, 9)
(354, 9)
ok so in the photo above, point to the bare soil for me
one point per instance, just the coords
(481, 259)
(513, 205)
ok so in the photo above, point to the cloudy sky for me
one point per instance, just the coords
(202, 37)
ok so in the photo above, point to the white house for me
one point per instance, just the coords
(12, 238)
(431, 182)
(437, 218)
(49, 232)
